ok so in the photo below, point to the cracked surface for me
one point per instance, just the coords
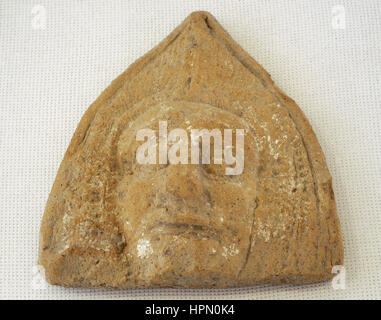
(110, 222)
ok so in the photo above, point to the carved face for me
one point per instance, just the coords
(180, 218)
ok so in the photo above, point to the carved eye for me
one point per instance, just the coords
(216, 166)
(149, 168)
(154, 167)
(215, 169)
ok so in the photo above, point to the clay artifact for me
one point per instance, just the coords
(111, 222)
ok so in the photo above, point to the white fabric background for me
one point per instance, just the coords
(50, 76)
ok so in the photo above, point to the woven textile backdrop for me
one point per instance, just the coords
(57, 56)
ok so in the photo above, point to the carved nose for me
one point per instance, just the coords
(185, 181)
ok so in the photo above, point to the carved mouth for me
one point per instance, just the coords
(194, 230)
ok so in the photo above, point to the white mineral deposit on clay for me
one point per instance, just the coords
(273, 148)
(231, 251)
(263, 231)
(144, 248)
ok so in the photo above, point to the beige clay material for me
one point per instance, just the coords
(112, 223)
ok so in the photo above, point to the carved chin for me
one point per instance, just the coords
(182, 256)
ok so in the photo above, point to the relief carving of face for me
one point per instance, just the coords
(186, 217)
(111, 222)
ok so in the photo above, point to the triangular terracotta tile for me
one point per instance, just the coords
(110, 223)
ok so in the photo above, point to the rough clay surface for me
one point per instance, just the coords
(112, 223)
